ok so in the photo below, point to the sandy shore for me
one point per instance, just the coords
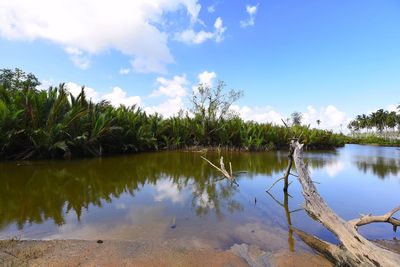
(131, 253)
(136, 253)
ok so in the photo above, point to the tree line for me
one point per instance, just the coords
(53, 123)
(381, 127)
(379, 122)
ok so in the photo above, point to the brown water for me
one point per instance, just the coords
(176, 196)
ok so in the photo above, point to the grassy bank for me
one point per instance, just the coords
(373, 140)
(55, 124)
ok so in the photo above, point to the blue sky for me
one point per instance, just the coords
(328, 59)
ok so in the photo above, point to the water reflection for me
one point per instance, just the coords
(379, 166)
(165, 185)
(37, 191)
(285, 206)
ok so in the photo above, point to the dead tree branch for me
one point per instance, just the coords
(354, 250)
(222, 169)
(386, 218)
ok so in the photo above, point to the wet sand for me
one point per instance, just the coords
(135, 253)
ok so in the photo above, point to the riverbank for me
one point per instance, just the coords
(137, 253)
(374, 141)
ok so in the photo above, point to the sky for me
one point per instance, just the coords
(330, 60)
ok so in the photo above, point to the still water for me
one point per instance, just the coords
(166, 196)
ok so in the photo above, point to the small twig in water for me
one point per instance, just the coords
(275, 183)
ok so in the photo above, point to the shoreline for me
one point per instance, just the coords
(140, 253)
(73, 252)
(193, 149)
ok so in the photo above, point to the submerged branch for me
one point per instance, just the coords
(274, 183)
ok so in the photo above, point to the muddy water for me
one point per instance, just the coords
(177, 198)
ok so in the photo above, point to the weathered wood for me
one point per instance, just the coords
(354, 250)
(386, 218)
(222, 169)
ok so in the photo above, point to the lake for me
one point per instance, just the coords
(164, 196)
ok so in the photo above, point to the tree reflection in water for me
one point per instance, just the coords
(33, 192)
(382, 167)
(285, 206)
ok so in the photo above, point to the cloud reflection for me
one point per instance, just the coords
(168, 190)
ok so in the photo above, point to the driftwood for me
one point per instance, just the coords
(387, 218)
(225, 173)
(354, 250)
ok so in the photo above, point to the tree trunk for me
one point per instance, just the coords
(354, 250)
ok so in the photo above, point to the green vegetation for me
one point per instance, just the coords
(372, 139)
(380, 128)
(54, 124)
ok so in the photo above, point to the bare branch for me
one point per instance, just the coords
(222, 169)
(386, 218)
(274, 184)
(354, 250)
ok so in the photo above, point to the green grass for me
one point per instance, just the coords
(373, 140)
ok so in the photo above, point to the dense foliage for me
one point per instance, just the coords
(54, 124)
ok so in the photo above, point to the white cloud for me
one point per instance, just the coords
(176, 87)
(203, 200)
(167, 190)
(174, 90)
(258, 114)
(45, 84)
(91, 94)
(331, 118)
(391, 108)
(119, 97)
(116, 97)
(251, 11)
(124, 71)
(211, 9)
(191, 37)
(79, 59)
(219, 30)
(207, 78)
(87, 27)
(167, 108)
(334, 167)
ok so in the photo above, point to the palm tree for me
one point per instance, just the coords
(54, 123)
